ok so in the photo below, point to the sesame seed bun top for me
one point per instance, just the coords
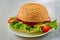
(32, 12)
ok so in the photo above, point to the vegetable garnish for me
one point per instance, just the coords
(53, 24)
(45, 28)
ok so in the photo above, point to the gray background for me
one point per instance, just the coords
(10, 8)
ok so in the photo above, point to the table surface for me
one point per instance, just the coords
(10, 8)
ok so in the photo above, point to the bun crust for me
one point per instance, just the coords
(32, 12)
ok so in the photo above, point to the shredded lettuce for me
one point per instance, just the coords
(17, 25)
(37, 28)
(12, 24)
(25, 27)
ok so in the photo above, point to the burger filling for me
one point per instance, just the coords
(18, 24)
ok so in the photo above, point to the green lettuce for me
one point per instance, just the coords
(37, 28)
(53, 24)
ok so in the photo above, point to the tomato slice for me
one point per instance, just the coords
(45, 28)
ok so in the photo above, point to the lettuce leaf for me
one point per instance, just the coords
(26, 27)
(13, 17)
(53, 24)
(17, 25)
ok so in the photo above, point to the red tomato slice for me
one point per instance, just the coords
(45, 28)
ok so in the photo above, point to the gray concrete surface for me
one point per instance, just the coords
(10, 8)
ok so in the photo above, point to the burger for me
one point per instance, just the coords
(32, 18)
